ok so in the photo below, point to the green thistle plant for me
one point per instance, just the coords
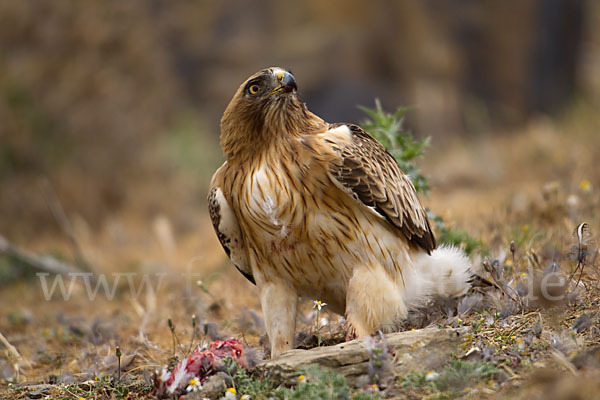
(387, 129)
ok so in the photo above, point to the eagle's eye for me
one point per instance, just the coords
(253, 89)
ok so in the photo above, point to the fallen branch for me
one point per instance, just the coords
(420, 350)
(12, 350)
(42, 263)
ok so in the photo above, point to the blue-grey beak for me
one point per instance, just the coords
(288, 82)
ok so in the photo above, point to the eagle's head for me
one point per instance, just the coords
(265, 107)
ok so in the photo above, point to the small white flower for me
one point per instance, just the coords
(318, 304)
(372, 389)
(245, 397)
(230, 394)
(431, 375)
(193, 386)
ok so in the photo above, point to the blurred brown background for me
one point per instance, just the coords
(117, 103)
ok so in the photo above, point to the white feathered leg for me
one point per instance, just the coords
(279, 303)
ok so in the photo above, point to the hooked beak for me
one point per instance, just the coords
(287, 83)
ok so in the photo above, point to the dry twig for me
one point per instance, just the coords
(59, 214)
(42, 263)
(13, 351)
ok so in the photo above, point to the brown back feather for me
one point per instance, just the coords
(373, 176)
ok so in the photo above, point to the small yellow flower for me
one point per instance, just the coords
(81, 398)
(524, 275)
(525, 228)
(585, 185)
(301, 379)
(508, 262)
(231, 390)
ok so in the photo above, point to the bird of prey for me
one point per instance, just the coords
(307, 208)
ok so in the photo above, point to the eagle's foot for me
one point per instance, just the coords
(350, 331)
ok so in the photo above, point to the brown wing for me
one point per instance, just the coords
(370, 174)
(227, 229)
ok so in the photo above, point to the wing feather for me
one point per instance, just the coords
(371, 175)
(228, 230)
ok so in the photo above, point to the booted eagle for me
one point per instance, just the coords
(307, 208)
